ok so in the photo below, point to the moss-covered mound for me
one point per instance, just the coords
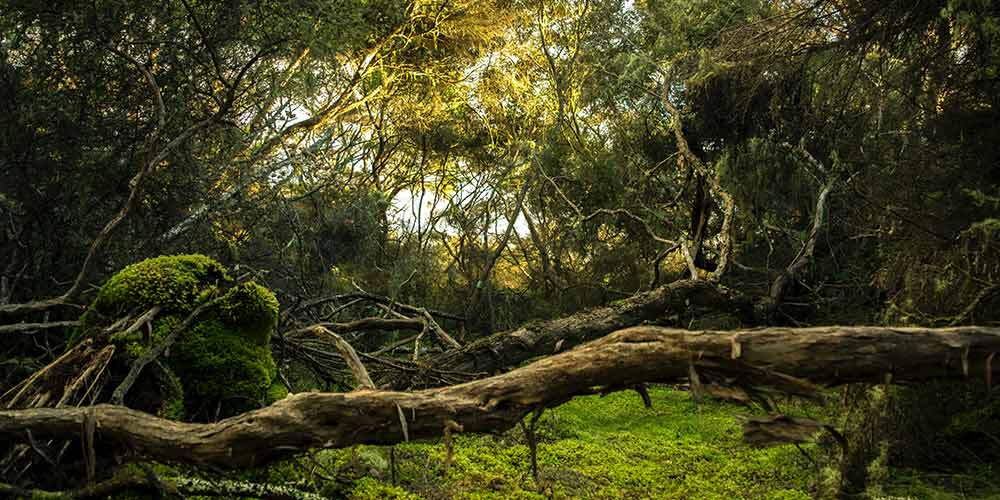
(172, 282)
(222, 362)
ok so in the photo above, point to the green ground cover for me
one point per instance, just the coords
(608, 448)
(594, 447)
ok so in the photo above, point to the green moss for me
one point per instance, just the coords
(173, 396)
(978, 482)
(276, 392)
(252, 309)
(370, 489)
(222, 362)
(220, 367)
(172, 282)
(610, 447)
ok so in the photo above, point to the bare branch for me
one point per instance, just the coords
(726, 245)
(805, 254)
(506, 349)
(370, 324)
(378, 299)
(161, 110)
(780, 429)
(142, 320)
(350, 356)
(34, 327)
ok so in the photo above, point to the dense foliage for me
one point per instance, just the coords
(503, 161)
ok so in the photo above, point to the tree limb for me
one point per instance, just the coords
(765, 358)
(804, 256)
(118, 397)
(506, 349)
(350, 356)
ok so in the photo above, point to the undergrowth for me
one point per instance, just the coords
(594, 448)
(609, 448)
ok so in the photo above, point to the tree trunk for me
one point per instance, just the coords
(785, 359)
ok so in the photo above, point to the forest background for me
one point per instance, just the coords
(478, 167)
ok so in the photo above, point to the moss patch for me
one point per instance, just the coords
(221, 367)
(252, 309)
(276, 392)
(222, 363)
(170, 281)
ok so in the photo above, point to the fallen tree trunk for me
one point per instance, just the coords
(505, 350)
(783, 358)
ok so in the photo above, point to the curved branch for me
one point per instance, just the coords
(74, 292)
(805, 254)
(350, 356)
(786, 359)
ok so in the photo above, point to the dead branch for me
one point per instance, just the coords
(766, 358)
(372, 324)
(442, 336)
(34, 327)
(780, 429)
(142, 320)
(490, 264)
(378, 299)
(655, 280)
(416, 343)
(350, 356)
(726, 233)
(48, 383)
(507, 349)
(397, 344)
(982, 297)
(805, 254)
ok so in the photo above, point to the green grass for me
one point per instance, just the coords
(610, 448)
(595, 448)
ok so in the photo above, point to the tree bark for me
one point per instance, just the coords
(505, 350)
(786, 359)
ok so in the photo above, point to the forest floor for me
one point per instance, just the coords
(599, 447)
(612, 447)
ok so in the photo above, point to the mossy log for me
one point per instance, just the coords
(782, 359)
(220, 364)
